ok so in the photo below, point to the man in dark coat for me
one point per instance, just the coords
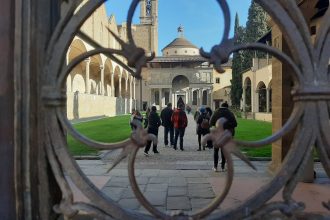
(231, 123)
(166, 115)
(153, 125)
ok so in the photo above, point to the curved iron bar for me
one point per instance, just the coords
(296, 74)
(290, 29)
(323, 139)
(322, 43)
(92, 210)
(67, 196)
(73, 170)
(61, 24)
(290, 124)
(139, 195)
(296, 15)
(302, 142)
(68, 31)
(285, 208)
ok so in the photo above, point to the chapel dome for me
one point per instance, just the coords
(180, 46)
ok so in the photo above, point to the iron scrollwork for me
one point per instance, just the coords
(310, 115)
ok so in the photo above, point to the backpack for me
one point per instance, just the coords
(205, 123)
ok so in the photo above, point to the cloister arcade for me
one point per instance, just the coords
(257, 93)
(100, 79)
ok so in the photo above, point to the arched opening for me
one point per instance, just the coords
(262, 97)
(270, 99)
(116, 81)
(123, 84)
(247, 88)
(180, 82)
(78, 74)
(108, 70)
(204, 101)
(95, 75)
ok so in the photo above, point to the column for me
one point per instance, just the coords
(126, 88)
(200, 97)
(134, 89)
(256, 101)
(130, 88)
(87, 84)
(212, 102)
(113, 85)
(151, 98)
(102, 79)
(267, 100)
(160, 99)
(170, 98)
(120, 86)
(244, 98)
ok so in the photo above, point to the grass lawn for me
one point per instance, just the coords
(116, 129)
(252, 130)
(109, 130)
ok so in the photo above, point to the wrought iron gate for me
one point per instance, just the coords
(310, 116)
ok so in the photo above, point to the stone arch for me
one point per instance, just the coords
(77, 83)
(95, 75)
(180, 82)
(108, 70)
(248, 100)
(116, 81)
(262, 97)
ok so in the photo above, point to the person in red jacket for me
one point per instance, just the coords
(180, 122)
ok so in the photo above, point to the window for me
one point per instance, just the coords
(217, 80)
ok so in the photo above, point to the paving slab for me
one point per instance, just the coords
(178, 203)
(177, 191)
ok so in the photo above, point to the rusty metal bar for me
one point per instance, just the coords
(7, 135)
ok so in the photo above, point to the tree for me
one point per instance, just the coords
(237, 65)
(256, 27)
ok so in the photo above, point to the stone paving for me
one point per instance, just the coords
(183, 180)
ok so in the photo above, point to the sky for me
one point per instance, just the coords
(202, 19)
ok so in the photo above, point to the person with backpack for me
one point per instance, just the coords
(230, 124)
(166, 115)
(180, 122)
(153, 125)
(203, 127)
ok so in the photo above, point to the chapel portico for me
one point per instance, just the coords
(180, 73)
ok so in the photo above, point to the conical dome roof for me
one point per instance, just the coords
(180, 42)
(180, 46)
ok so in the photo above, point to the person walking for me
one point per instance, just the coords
(203, 127)
(165, 116)
(180, 122)
(153, 125)
(230, 124)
